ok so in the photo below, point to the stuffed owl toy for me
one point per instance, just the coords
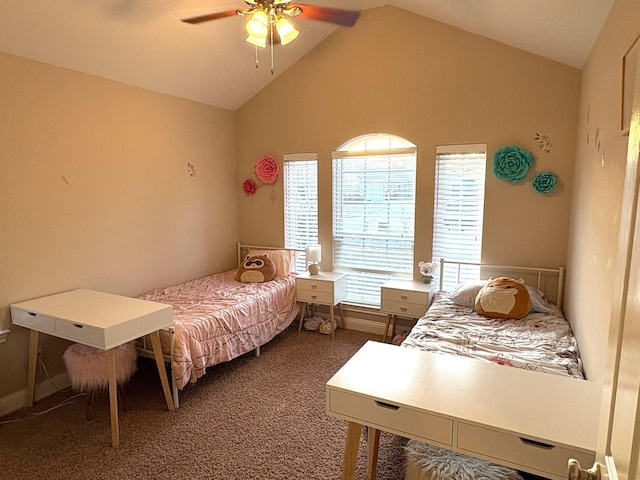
(256, 269)
(503, 297)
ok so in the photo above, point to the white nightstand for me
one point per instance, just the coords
(325, 288)
(407, 298)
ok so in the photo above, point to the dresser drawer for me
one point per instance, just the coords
(405, 296)
(34, 321)
(526, 453)
(314, 285)
(403, 308)
(403, 421)
(308, 296)
(79, 333)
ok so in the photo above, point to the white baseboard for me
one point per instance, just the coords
(18, 400)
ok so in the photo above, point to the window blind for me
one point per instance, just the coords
(300, 176)
(373, 219)
(459, 207)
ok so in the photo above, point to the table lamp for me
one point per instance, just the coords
(313, 254)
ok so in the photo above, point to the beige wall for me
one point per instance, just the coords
(95, 193)
(598, 179)
(432, 84)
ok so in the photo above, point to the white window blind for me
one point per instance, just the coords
(459, 208)
(374, 182)
(300, 173)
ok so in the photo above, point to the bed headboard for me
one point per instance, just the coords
(549, 280)
(244, 248)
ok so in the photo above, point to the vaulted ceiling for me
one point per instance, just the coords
(144, 43)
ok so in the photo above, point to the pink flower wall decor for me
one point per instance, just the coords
(249, 187)
(267, 169)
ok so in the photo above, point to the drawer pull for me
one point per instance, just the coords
(386, 405)
(533, 443)
(404, 309)
(314, 286)
(32, 314)
(77, 325)
(314, 296)
(403, 297)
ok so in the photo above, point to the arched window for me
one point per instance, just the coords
(374, 190)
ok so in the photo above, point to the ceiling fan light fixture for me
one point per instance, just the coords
(286, 30)
(257, 25)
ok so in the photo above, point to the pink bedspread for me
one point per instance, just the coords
(217, 318)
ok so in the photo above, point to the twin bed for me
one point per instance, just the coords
(217, 318)
(541, 341)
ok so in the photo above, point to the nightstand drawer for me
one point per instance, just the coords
(314, 285)
(403, 308)
(526, 453)
(79, 333)
(401, 420)
(405, 296)
(314, 297)
(34, 321)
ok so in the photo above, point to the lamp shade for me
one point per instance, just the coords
(257, 25)
(286, 31)
(314, 253)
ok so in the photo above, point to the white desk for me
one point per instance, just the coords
(98, 319)
(530, 421)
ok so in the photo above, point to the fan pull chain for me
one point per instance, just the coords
(256, 57)
(271, 27)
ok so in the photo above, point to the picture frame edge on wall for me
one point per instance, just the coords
(630, 61)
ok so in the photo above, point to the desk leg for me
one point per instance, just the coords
(113, 398)
(373, 442)
(157, 353)
(332, 320)
(33, 363)
(303, 310)
(386, 328)
(351, 451)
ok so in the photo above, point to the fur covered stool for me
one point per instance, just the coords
(428, 462)
(89, 372)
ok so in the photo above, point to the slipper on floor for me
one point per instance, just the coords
(325, 327)
(312, 323)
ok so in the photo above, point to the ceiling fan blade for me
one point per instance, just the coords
(346, 18)
(210, 16)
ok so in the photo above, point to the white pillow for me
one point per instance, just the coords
(465, 294)
(285, 260)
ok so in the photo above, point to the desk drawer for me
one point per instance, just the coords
(401, 420)
(79, 333)
(314, 285)
(307, 296)
(403, 308)
(34, 321)
(405, 296)
(518, 451)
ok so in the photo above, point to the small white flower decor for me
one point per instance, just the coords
(427, 269)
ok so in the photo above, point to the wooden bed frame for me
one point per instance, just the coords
(549, 280)
(146, 350)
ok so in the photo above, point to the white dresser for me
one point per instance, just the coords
(406, 298)
(324, 288)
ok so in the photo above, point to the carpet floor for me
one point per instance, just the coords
(252, 418)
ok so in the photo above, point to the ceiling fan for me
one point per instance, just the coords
(270, 20)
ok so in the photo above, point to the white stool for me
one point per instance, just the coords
(428, 462)
(89, 372)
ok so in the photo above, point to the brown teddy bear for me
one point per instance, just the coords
(256, 269)
(503, 297)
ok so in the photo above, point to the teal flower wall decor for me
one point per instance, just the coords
(511, 163)
(544, 182)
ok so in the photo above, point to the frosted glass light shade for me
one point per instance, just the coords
(257, 25)
(258, 42)
(286, 31)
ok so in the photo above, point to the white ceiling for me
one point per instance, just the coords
(143, 42)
